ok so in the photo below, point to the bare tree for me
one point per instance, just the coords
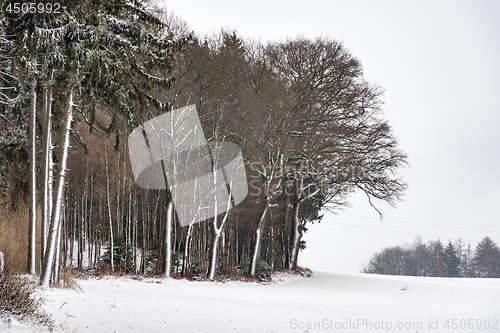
(340, 142)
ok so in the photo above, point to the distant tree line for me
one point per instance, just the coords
(435, 259)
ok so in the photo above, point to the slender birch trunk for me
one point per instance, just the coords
(48, 163)
(213, 255)
(215, 243)
(168, 238)
(267, 205)
(111, 241)
(55, 275)
(144, 244)
(56, 211)
(1, 262)
(297, 235)
(134, 231)
(32, 181)
(258, 240)
(217, 233)
(187, 243)
(287, 232)
(90, 217)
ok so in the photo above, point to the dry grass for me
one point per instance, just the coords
(304, 271)
(14, 236)
(20, 299)
(68, 280)
(19, 295)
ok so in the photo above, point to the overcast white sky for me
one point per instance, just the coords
(439, 63)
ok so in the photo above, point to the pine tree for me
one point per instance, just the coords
(487, 259)
(452, 261)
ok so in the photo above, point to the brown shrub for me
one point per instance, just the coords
(19, 298)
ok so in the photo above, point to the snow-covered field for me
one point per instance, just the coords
(325, 302)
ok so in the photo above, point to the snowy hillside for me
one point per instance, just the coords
(323, 303)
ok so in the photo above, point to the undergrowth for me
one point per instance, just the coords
(20, 299)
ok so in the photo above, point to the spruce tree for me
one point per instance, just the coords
(487, 259)
(452, 261)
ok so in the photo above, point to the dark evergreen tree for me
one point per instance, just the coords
(487, 259)
(123, 255)
(452, 261)
(13, 125)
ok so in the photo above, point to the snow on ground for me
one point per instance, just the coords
(325, 302)
(13, 325)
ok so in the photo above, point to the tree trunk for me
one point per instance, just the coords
(134, 232)
(55, 275)
(47, 164)
(56, 214)
(218, 229)
(258, 240)
(287, 232)
(2, 262)
(297, 235)
(187, 243)
(256, 250)
(111, 243)
(144, 199)
(92, 257)
(213, 256)
(168, 238)
(32, 181)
